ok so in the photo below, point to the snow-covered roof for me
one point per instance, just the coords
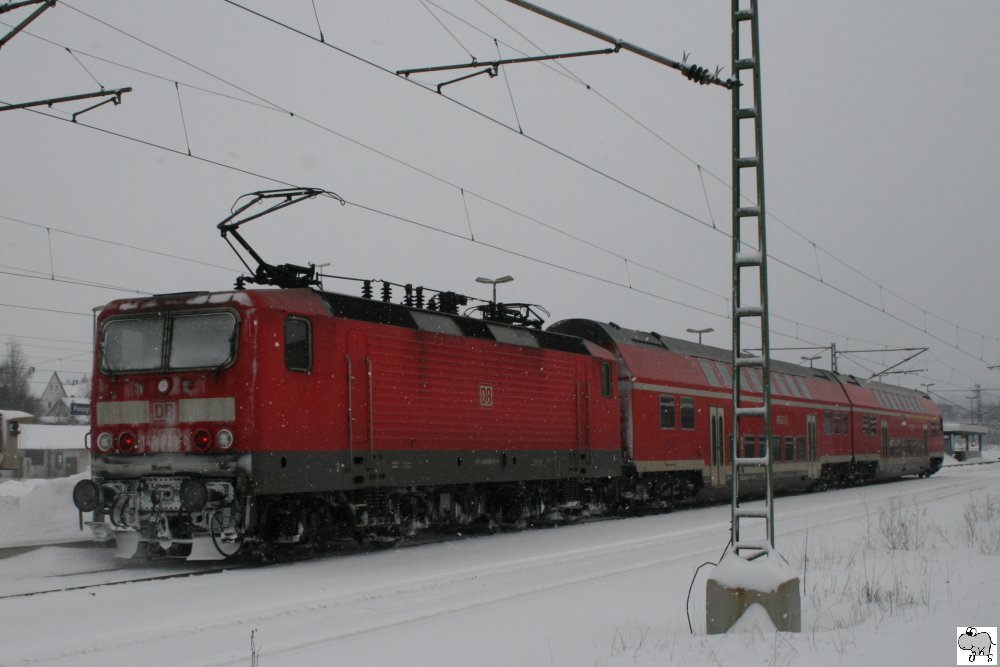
(52, 436)
(959, 427)
(14, 415)
(77, 390)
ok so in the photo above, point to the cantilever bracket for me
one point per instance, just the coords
(493, 66)
(23, 24)
(113, 95)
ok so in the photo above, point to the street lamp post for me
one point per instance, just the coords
(494, 282)
(812, 359)
(700, 332)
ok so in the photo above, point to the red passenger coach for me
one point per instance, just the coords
(826, 428)
(284, 412)
(897, 431)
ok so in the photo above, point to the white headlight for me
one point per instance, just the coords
(224, 438)
(105, 442)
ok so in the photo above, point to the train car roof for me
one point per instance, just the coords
(311, 302)
(609, 333)
(630, 343)
(373, 310)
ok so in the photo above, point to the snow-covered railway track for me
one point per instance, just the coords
(117, 582)
(331, 605)
(117, 573)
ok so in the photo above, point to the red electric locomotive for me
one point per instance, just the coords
(287, 413)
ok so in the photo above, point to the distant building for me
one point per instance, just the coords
(964, 441)
(10, 434)
(65, 403)
(52, 450)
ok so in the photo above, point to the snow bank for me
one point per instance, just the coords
(34, 511)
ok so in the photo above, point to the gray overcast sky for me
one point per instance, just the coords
(881, 147)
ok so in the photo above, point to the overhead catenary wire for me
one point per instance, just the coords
(446, 29)
(180, 106)
(45, 310)
(91, 74)
(318, 26)
(645, 292)
(510, 93)
(423, 225)
(118, 244)
(700, 167)
(46, 338)
(386, 155)
(28, 273)
(276, 107)
(575, 160)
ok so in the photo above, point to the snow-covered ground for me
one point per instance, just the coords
(887, 573)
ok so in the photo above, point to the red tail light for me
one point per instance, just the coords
(127, 442)
(202, 441)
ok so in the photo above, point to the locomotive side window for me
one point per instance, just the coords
(132, 345)
(202, 341)
(606, 379)
(668, 415)
(687, 413)
(298, 344)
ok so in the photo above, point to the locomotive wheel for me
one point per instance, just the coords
(227, 548)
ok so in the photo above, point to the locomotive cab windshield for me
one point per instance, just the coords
(190, 340)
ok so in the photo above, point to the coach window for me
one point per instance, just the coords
(800, 447)
(749, 446)
(789, 448)
(687, 413)
(839, 423)
(667, 412)
(776, 446)
(298, 344)
(828, 422)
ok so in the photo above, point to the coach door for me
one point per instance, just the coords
(814, 467)
(718, 445)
